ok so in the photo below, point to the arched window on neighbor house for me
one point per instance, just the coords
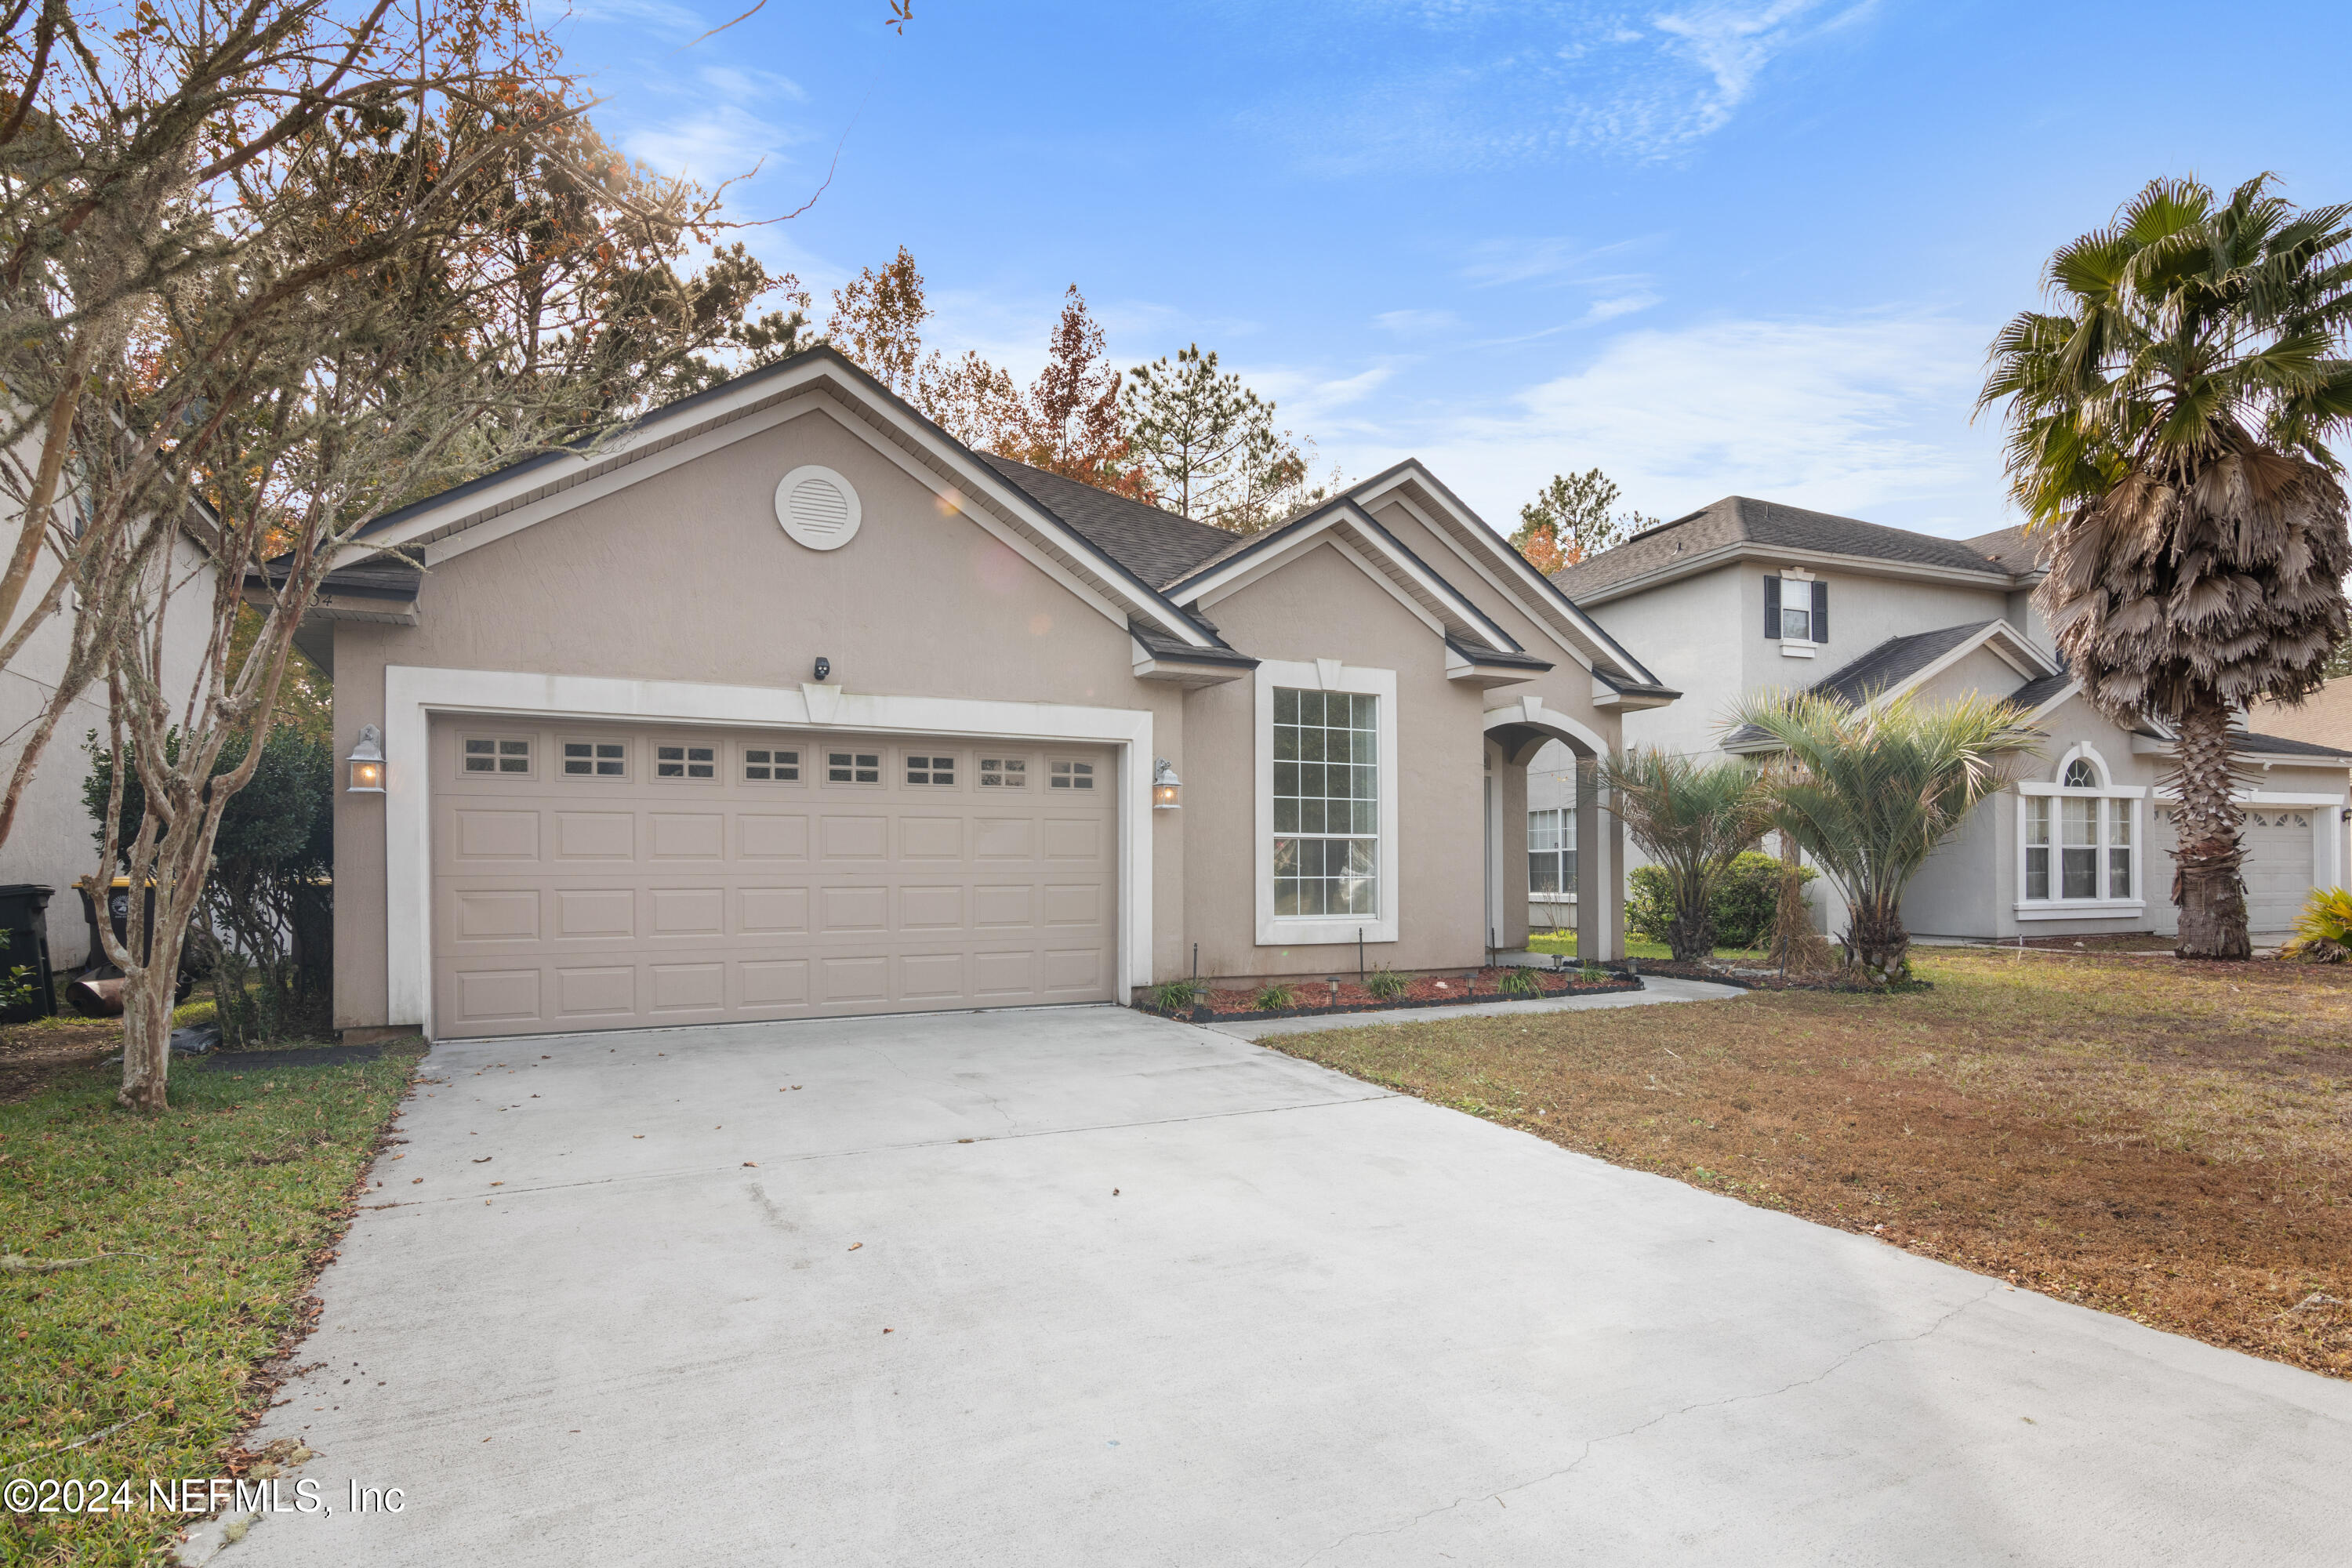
(2078, 841)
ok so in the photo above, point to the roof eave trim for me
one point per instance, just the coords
(1993, 577)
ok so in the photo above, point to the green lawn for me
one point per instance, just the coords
(221, 1211)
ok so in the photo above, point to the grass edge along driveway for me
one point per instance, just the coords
(214, 1220)
(2171, 1141)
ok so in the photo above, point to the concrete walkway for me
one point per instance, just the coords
(1655, 988)
(1086, 1287)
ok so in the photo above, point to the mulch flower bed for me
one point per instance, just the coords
(1317, 997)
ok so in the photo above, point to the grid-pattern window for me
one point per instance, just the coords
(597, 759)
(2078, 845)
(853, 767)
(930, 768)
(1003, 773)
(1072, 776)
(686, 761)
(498, 754)
(2037, 847)
(1326, 803)
(1551, 851)
(771, 765)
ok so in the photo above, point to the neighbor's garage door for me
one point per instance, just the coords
(2278, 843)
(591, 877)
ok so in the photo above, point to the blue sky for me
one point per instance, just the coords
(1751, 247)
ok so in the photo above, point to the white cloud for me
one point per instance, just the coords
(1495, 86)
(1865, 414)
(1731, 44)
(721, 143)
(1418, 323)
(741, 82)
(1621, 305)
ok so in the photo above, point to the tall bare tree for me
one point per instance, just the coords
(2168, 425)
(275, 269)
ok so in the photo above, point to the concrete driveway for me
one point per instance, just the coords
(1081, 1286)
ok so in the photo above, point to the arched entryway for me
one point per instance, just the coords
(1515, 735)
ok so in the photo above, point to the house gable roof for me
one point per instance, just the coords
(1738, 527)
(1900, 664)
(1368, 545)
(1488, 554)
(552, 483)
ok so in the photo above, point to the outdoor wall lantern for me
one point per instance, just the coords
(367, 762)
(1167, 789)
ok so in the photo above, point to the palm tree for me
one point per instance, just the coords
(1692, 818)
(1869, 791)
(2167, 437)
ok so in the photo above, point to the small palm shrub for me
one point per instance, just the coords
(1870, 792)
(2323, 932)
(1692, 818)
(1173, 995)
(1273, 999)
(1386, 985)
(1519, 982)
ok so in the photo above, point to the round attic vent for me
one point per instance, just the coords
(817, 508)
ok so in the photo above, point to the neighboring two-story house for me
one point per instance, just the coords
(1746, 595)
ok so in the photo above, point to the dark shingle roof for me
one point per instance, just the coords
(1157, 546)
(2040, 689)
(1738, 519)
(2010, 549)
(1895, 661)
(1891, 663)
(2279, 746)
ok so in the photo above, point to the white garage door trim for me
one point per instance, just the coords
(2326, 826)
(413, 693)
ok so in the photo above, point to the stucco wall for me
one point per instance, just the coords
(1321, 606)
(687, 576)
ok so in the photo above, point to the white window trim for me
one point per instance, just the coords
(412, 694)
(1803, 647)
(2132, 797)
(1326, 675)
(1567, 814)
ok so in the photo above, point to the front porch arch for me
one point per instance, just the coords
(1517, 732)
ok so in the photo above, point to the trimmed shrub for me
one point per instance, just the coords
(1743, 904)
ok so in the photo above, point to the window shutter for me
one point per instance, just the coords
(1821, 611)
(1772, 606)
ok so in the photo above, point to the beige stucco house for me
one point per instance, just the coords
(1746, 596)
(782, 703)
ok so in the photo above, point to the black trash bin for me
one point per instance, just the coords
(25, 928)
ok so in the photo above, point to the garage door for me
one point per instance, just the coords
(2278, 843)
(598, 877)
